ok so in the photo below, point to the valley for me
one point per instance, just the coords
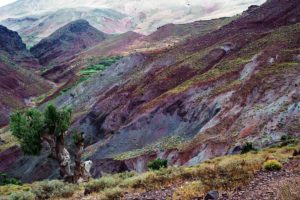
(214, 99)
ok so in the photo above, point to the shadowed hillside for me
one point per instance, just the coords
(17, 78)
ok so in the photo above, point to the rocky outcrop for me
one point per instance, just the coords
(108, 166)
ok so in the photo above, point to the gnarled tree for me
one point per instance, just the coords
(32, 127)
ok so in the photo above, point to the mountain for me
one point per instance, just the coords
(186, 10)
(169, 35)
(66, 42)
(18, 80)
(32, 18)
(206, 96)
(163, 38)
(213, 91)
(69, 71)
(34, 28)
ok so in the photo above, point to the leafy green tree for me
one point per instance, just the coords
(32, 127)
(27, 127)
(57, 121)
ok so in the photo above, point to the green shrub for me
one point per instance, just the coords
(287, 140)
(101, 66)
(157, 164)
(5, 180)
(272, 165)
(22, 196)
(247, 148)
(286, 137)
(55, 188)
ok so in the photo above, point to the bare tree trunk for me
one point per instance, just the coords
(62, 155)
(51, 140)
(64, 159)
(80, 171)
(79, 168)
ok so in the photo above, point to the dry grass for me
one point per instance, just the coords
(190, 190)
(9, 139)
(222, 173)
(38, 190)
(7, 190)
(163, 144)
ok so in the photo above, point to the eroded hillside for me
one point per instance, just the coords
(203, 97)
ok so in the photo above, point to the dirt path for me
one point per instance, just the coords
(264, 186)
(152, 195)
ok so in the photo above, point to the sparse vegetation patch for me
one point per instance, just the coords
(163, 144)
(157, 164)
(247, 148)
(272, 165)
(222, 173)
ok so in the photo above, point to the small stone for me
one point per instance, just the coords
(212, 195)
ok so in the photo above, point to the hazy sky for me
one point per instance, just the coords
(4, 2)
(162, 11)
(188, 2)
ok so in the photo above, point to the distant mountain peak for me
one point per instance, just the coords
(67, 41)
(76, 26)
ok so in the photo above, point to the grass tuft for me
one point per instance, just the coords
(272, 165)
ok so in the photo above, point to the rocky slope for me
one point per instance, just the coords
(18, 81)
(199, 99)
(236, 84)
(67, 71)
